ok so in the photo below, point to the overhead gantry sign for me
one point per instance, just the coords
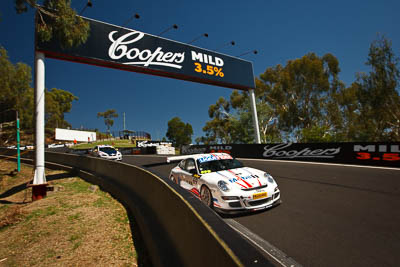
(131, 50)
(121, 48)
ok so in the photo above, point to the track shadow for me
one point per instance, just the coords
(23, 186)
(60, 176)
(12, 191)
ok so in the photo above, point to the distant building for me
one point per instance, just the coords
(134, 135)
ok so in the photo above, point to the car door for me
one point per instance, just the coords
(187, 174)
(94, 151)
(179, 172)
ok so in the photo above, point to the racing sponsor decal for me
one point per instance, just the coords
(280, 152)
(132, 50)
(237, 176)
(260, 195)
(186, 150)
(212, 157)
(360, 153)
(134, 56)
(253, 175)
(377, 152)
(221, 149)
(195, 191)
(147, 143)
(217, 205)
(234, 180)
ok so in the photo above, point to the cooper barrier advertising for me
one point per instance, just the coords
(117, 47)
(375, 154)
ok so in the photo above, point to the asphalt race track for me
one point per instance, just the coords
(330, 216)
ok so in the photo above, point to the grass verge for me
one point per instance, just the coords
(76, 224)
(116, 143)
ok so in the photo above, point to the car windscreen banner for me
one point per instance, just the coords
(132, 50)
(376, 154)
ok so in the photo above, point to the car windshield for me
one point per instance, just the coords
(108, 150)
(218, 165)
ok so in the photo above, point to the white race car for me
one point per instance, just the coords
(222, 182)
(106, 152)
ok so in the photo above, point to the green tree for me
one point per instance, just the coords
(303, 95)
(56, 19)
(305, 101)
(178, 132)
(108, 115)
(218, 128)
(58, 102)
(373, 101)
(15, 90)
(298, 101)
(266, 119)
(16, 93)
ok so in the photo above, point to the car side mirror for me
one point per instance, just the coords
(193, 171)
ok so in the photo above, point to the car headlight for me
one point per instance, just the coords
(223, 186)
(269, 177)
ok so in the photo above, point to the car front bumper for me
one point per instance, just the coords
(247, 203)
(244, 210)
(112, 157)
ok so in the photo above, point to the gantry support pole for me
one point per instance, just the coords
(39, 185)
(257, 138)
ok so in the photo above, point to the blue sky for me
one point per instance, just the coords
(279, 30)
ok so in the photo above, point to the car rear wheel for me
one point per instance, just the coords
(206, 196)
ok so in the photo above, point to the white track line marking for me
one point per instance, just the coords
(263, 245)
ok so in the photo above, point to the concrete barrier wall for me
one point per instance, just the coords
(359, 153)
(177, 229)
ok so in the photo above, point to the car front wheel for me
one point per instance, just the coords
(206, 196)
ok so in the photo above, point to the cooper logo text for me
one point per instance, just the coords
(119, 49)
(279, 151)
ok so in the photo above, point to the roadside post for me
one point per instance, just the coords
(18, 145)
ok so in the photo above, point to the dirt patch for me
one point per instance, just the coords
(73, 226)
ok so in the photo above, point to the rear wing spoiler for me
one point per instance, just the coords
(178, 158)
